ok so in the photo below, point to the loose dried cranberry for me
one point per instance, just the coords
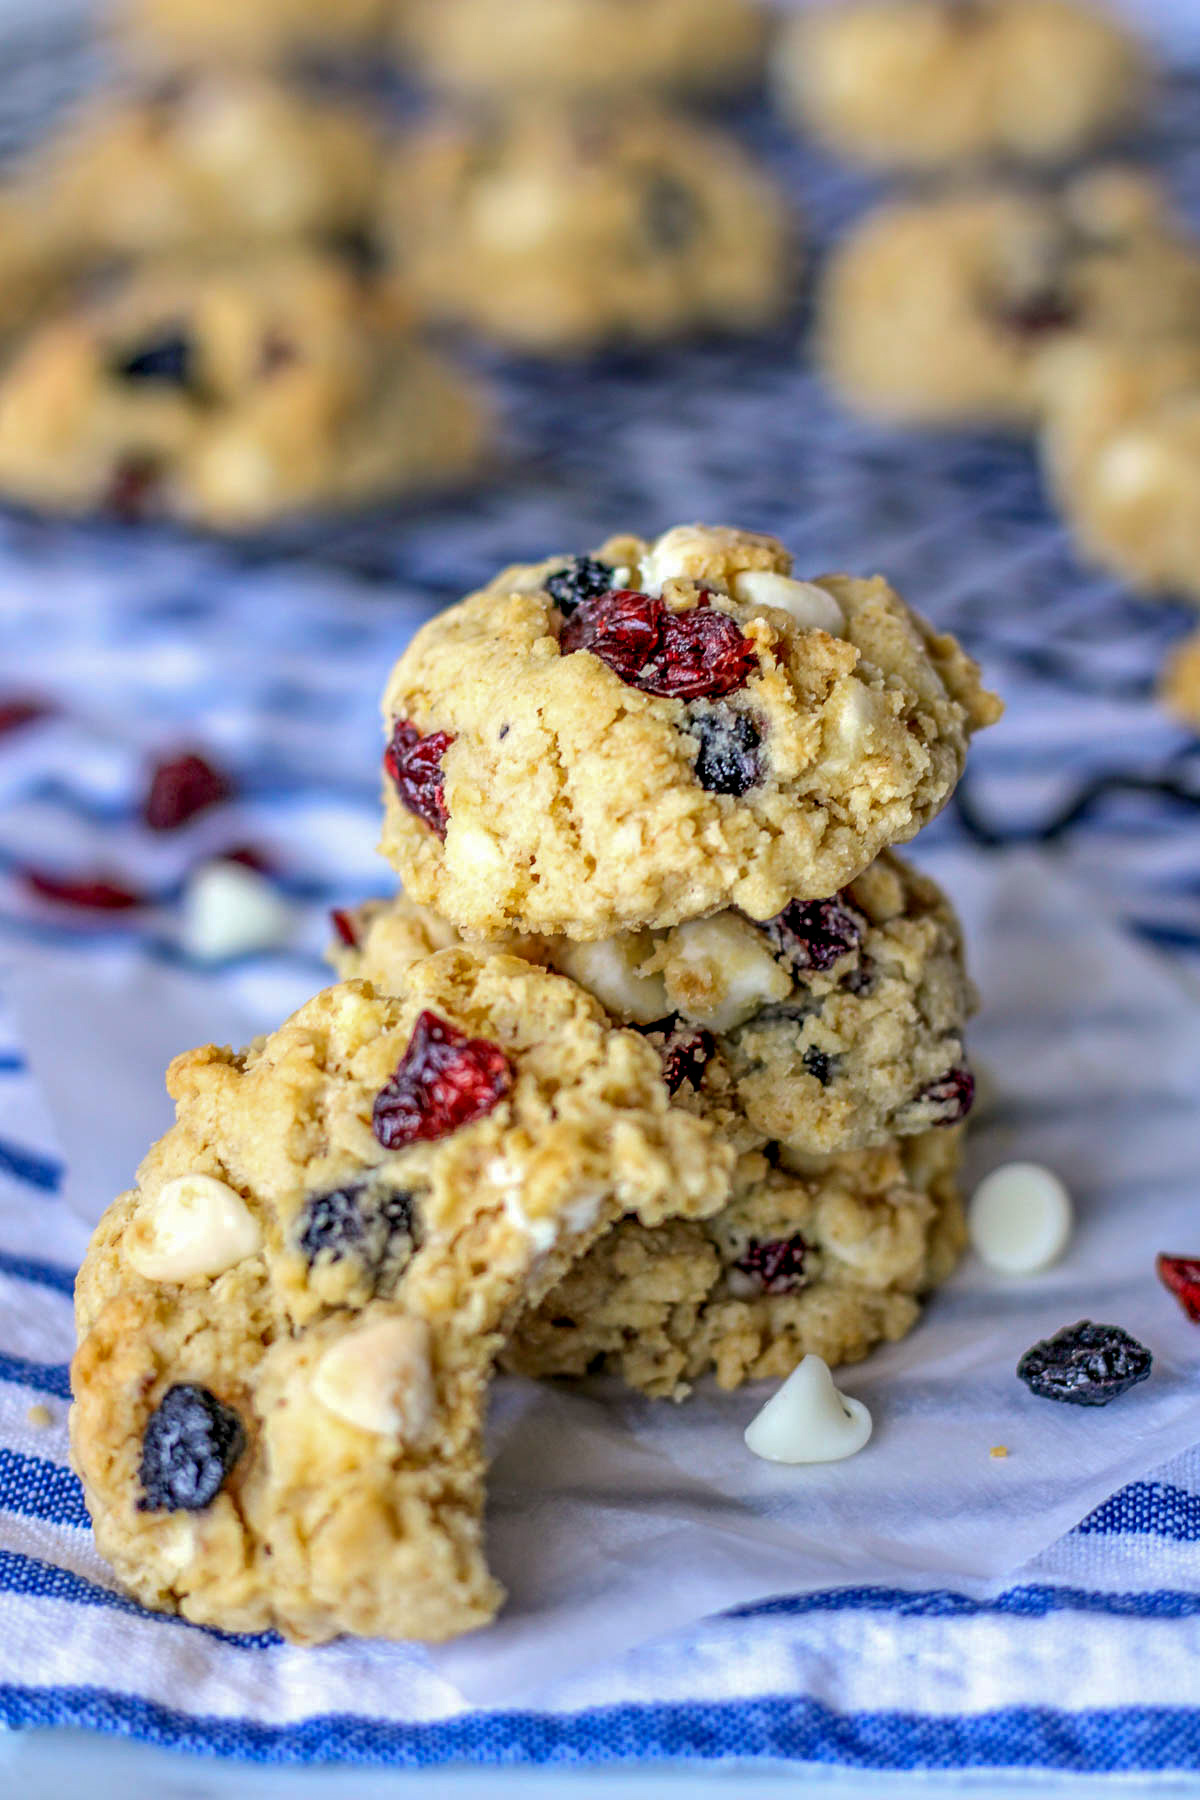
(345, 927)
(679, 656)
(955, 1092)
(249, 858)
(583, 578)
(443, 1081)
(1181, 1274)
(133, 488)
(415, 766)
(816, 934)
(95, 892)
(777, 1266)
(727, 762)
(181, 787)
(18, 712)
(1085, 1364)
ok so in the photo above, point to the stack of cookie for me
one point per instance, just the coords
(672, 1078)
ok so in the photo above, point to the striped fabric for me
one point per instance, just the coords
(272, 654)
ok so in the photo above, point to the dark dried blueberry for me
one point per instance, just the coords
(952, 1094)
(819, 1064)
(345, 927)
(358, 247)
(816, 934)
(581, 579)
(443, 1081)
(670, 213)
(685, 1056)
(333, 1223)
(97, 893)
(414, 764)
(727, 761)
(1085, 1364)
(352, 1221)
(1181, 1275)
(860, 979)
(1039, 313)
(683, 656)
(777, 1266)
(190, 1444)
(166, 359)
(181, 787)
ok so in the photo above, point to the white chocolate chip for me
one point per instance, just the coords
(720, 972)
(1020, 1218)
(378, 1377)
(229, 910)
(609, 969)
(808, 1421)
(809, 605)
(851, 721)
(1131, 464)
(195, 1225)
(473, 853)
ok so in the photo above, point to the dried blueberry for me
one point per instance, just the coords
(354, 1221)
(816, 934)
(1085, 1364)
(580, 579)
(775, 1267)
(819, 1064)
(333, 1223)
(166, 359)
(670, 213)
(685, 1050)
(444, 1080)
(190, 1444)
(727, 761)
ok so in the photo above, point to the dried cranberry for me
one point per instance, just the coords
(134, 488)
(443, 1081)
(1039, 313)
(190, 1444)
(18, 712)
(583, 578)
(727, 761)
(95, 892)
(249, 857)
(953, 1094)
(685, 1056)
(181, 787)
(345, 927)
(1085, 1364)
(777, 1266)
(414, 764)
(680, 656)
(816, 934)
(1181, 1274)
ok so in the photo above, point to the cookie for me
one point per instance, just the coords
(221, 32)
(561, 228)
(581, 46)
(930, 84)
(640, 737)
(287, 1329)
(942, 310)
(836, 1026)
(830, 1261)
(33, 266)
(1179, 688)
(1121, 451)
(232, 395)
(209, 161)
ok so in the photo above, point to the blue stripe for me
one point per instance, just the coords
(51, 1275)
(38, 1489)
(31, 1577)
(11, 1062)
(780, 1727)
(1035, 1601)
(28, 1166)
(47, 1378)
(1148, 1508)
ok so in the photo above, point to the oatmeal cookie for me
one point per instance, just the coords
(930, 84)
(836, 1026)
(222, 32)
(230, 395)
(287, 1328)
(944, 309)
(646, 735)
(828, 1260)
(560, 228)
(585, 46)
(1179, 688)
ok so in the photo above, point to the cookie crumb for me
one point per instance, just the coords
(998, 1452)
(40, 1415)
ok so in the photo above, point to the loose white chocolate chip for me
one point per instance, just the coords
(229, 910)
(1019, 1219)
(378, 1377)
(720, 972)
(609, 969)
(809, 605)
(195, 1225)
(808, 1421)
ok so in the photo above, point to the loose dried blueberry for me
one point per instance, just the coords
(414, 764)
(776, 1266)
(670, 213)
(816, 934)
(181, 787)
(819, 1064)
(952, 1094)
(727, 761)
(583, 578)
(1181, 1275)
(443, 1081)
(190, 1444)
(693, 655)
(1085, 1364)
(166, 359)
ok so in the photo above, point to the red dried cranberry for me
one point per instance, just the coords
(1039, 314)
(776, 1266)
(249, 858)
(443, 1081)
(1181, 1274)
(95, 892)
(17, 712)
(955, 1092)
(414, 764)
(816, 934)
(685, 1056)
(134, 488)
(344, 925)
(694, 655)
(181, 787)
